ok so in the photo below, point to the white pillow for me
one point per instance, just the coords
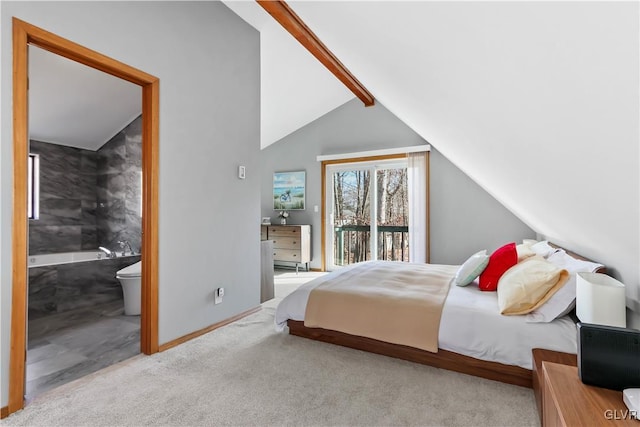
(472, 268)
(543, 249)
(564, 300)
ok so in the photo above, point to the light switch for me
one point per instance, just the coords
(241, 172)
(315, 208)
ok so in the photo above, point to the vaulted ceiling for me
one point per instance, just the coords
(295, 89)
(538, 102)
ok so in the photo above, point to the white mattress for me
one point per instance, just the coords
(471, 325)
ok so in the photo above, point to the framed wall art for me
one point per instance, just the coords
(289, 190)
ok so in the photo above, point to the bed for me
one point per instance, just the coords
(473, 337)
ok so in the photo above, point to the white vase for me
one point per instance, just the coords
(283, 221)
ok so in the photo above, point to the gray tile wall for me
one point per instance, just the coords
(118, 189)
(67, 221)
(89, 199)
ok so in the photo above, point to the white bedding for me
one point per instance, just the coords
(471, 325)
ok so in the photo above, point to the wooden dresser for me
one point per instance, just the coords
(291, 243)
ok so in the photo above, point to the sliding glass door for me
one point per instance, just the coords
(367, 212)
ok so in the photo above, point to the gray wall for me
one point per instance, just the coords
(119, 191)
(464, 218)
(67, 221)
(208, 63)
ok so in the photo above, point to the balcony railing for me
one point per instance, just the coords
(352, 243)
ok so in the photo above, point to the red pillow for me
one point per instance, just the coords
(500, 261)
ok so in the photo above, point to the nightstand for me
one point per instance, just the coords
(541, 355)
(569, 402)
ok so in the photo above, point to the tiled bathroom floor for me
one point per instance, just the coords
(66, 346)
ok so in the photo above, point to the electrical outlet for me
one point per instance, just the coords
(219, 293)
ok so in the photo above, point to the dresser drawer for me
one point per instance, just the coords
(286, 255)
(286, 242)
(283, 230)
(291, 243)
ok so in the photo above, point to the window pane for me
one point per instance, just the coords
(30, 188)
(33, 190)
(368, 207)
(352, 219)
(392, 214)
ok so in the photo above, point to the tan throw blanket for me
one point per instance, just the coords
(395, 302)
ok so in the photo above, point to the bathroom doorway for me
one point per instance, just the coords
(85, 221)
(25, 35)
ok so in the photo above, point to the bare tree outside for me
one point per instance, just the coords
(392, 214)
(352, 215)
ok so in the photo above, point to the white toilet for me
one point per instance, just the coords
(130, 278)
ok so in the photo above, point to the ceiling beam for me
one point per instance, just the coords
(291, 22)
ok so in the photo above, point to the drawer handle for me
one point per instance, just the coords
(294, 254)
(274, 254)
(294, 242)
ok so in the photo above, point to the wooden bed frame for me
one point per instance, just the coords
(444, 359)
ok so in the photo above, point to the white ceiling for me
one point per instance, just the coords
(538, 102)
(75, 105)
(295, 88)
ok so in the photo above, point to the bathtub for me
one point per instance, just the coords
(74, 280)
(71, 257)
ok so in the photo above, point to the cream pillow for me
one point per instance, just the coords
(528, 285)
(524, 251)
(563, 301)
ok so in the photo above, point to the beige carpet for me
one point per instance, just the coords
(247, 374)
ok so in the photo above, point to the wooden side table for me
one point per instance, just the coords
(541, 355)
(569, 402)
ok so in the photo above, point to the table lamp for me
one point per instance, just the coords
(600, 300)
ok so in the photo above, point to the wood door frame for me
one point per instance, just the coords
(323, 195)
(25, 34)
